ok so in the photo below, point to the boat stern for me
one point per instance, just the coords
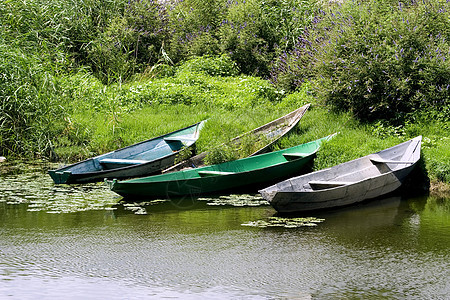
(110, 183)
(268, 193)
(60, 177)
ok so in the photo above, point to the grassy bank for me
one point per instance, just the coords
(102, 118)
(80, 78)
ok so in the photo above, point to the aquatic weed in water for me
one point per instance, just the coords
(236, 200)
(285, 222)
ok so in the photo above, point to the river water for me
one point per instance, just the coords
(81, 242)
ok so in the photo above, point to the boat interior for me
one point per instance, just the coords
(357, 170)
(163, 148)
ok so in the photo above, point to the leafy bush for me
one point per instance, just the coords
(379, 61)
(130, 42)
(119, 38)
(254, 31)
(251, 32)
(211, 65)
(193, 27)
(191, 85)
(246, 37)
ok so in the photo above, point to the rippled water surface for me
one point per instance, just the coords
(72, 242)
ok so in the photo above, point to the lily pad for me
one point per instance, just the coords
(238, 200)
(285, 222)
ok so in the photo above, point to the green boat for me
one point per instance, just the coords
(251, 171)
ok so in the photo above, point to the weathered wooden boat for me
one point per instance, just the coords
(144, 158)
(262, 137)
(348, 183)
(250, 171)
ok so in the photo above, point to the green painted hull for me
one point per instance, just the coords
(251, 171)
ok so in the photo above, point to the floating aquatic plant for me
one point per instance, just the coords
(285, 222)
(37, 190)
(236, 200)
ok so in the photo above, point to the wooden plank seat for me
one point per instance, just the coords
(320, 185)
(295, 155)
(378, 160)
(119, 161)
(213, 173)
(179, 139)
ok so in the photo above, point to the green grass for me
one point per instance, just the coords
(107, 117)
(98, 118)
(104, 118)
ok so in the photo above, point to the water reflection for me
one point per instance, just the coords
(191, 203)
(430, 223)
(81, 241)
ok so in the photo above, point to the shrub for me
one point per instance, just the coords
(254, 32)
(191, 84)
(130, 42)
(119, 38)
(211, 65)
(246, 37)
(251, 32)
(193, 27)
(376, 60)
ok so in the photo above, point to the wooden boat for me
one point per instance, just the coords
(348, 183)
(140, 159)
(264, 136)
(250, 171)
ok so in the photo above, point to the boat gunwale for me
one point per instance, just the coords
(293, 117)
(228, 174)
(312, 191)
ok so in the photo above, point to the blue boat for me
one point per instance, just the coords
(141, 159)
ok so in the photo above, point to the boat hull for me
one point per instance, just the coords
(348, 183)
(145, 158)
(251, 171)
(288, 202)
(67, 177)
(207, 185)
(271, 131)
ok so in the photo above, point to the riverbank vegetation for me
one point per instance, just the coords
(80, 78)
